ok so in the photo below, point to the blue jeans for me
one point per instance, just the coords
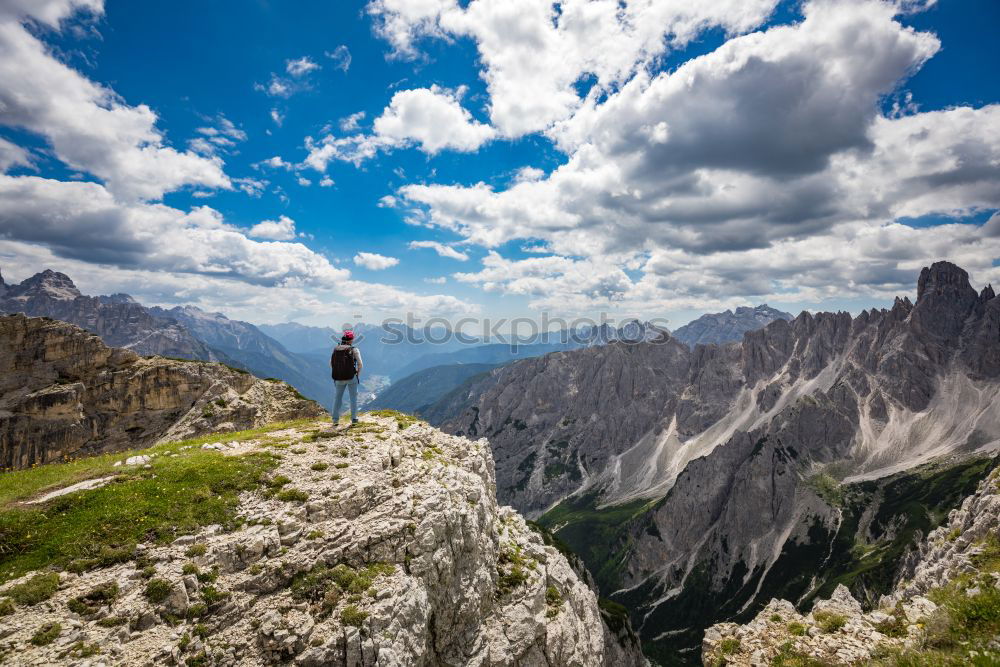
(352, 387)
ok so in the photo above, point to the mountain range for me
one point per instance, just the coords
(118, 319)
(181, 332)
(699, 482)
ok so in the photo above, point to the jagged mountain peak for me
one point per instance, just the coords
(944, 300)
(48, 283)
(984, 296)
(942, 278)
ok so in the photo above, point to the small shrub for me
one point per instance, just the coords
(330, 600)
(553, 600)
(84, 650)
(148, 572)
(508, 581)
(112, 621)
(90, 602)
(278, 481)
(314, 534)
(796, 628)
(320, 466)
(208, 577)
(776, 618)
(341, 466)
(196, 550)
(6, 607)
(788, 657)
(828, 621)
(221, 402)
(895, 625)
(157, 590)
(211, 595)
(200, 630)
(190, 568)
(37, 589)
(351, 615)
(106, 556)
(293, 495)
(46, 634)
(729, 645)
(197, 610)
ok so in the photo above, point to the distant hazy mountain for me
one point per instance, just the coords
(728, 327)
(385, 350)
(496, 353)
(414, 393)
(119, 320)
(300, 337)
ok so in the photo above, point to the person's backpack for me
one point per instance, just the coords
(342, 363)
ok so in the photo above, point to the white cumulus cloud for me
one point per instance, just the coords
(374, 261)
(431, 119)
(282, 229)
(300, 66)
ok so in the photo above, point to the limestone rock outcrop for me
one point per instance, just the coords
(64, 393)
(391, 551)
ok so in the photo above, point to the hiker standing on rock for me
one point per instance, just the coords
(346, 365)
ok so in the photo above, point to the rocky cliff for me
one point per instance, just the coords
(381, 544)
(926, 619)
(694, 481)
(64, 393)
(728, 326)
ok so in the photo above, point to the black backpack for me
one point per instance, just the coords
(342, 363)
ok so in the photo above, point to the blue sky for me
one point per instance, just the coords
(664, 186)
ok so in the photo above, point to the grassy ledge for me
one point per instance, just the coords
(184, 488)
(18, 485)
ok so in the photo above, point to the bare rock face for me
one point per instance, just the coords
(402, 558)
(64, 393)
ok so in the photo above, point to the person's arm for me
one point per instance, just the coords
(357, 357)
